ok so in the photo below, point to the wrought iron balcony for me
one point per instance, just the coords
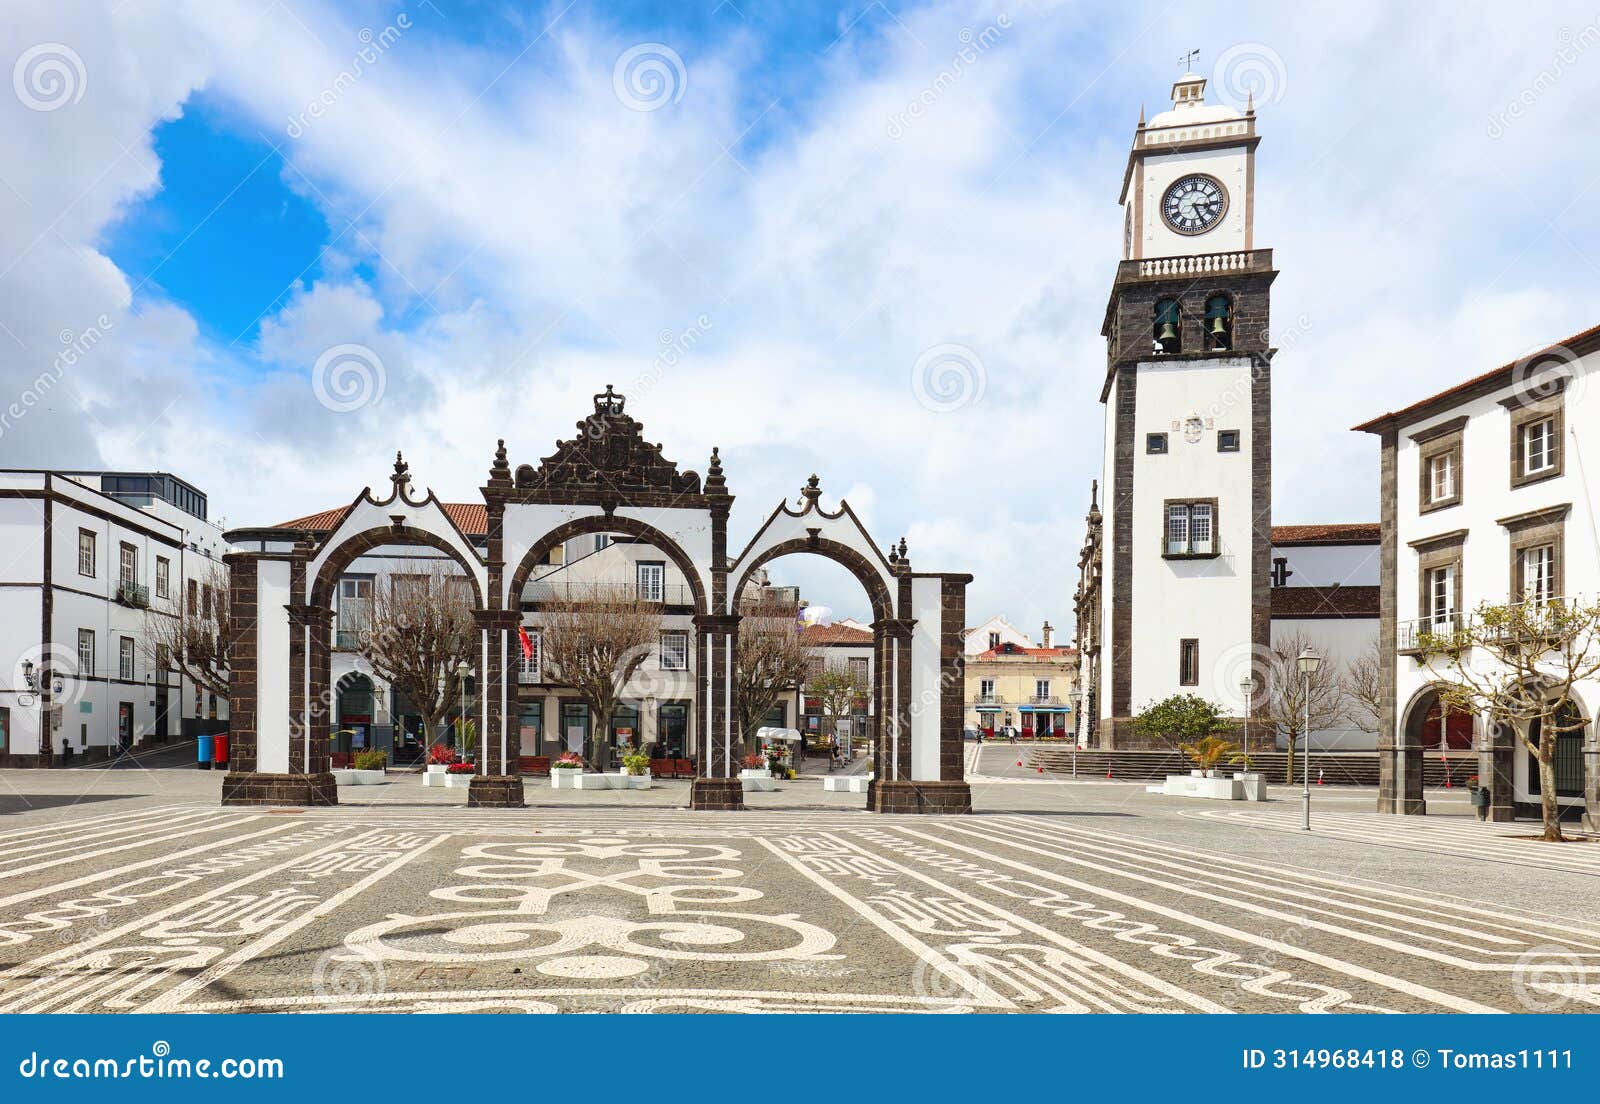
(346, 640)
(132, 594)
(1434, 630)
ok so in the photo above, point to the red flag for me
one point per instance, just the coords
(527, 642)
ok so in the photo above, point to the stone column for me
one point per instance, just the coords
(894, 789)
(1496, 755)
(718, 785)
(285, 678)
(1591, 777)
(498, 783)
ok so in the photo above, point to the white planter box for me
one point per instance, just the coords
(368, 777)
(434, 779)
(565, 778)
(585, 781)
(458, 781)
(846, 783)
(1254, 785)
(758, 779)
(1195, 785)
(634, 781)
(343, 776)
(438, 768)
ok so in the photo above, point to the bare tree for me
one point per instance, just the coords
(837, 689)
(594, 642)
(770, 659)
(193, 636)
(1519, 665)
(1289, 693)
(1361, 684)
(420, 633)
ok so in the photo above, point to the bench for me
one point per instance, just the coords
(535, 766)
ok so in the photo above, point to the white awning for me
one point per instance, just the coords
(771, 734)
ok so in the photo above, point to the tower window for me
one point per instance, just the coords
(1188, 663)
(1155, 443)
(1191, 529)
(1219, 322)
(1165, 331)
(1227, 440)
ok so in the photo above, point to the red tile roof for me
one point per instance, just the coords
(823, 635)
(1355, 532)
(472, 518)
(1013, 651)
(1325, 601)
(1578, 344)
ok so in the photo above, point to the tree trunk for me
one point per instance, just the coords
(1549, 808)
(598, 735)
(1288, 765)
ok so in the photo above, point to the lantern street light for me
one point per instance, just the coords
(1247, 687)
(1077, 704)
(1308, 662)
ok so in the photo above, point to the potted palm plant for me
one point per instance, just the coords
(636, 768)
(368, 769)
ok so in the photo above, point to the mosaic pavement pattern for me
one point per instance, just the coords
(190, 908)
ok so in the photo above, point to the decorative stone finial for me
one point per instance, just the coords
(811, 491)
(715, 483)
(609, 402)
(904, 558)
(500, 470)
(402, 474)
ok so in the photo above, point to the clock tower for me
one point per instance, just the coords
(1186, 565)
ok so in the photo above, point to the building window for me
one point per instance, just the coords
(163, 577)
(1439, 596)
(1155, 443)
(1188, 663)
(1441, 478)
(858, 668)
(531, 665)
(1191, 529)
(1439, 465)
(1041, 689)
(986, 689)
(193, 602)
(355, 609)
(994, 641)
(127, 565)
(1538, 446)
(1227, 440)
(652, 581)
(86, 652)
(674, 651)
(1538, 571)
(85, 553)
(125, 659)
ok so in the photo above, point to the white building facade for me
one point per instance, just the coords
(1487, 499)
(94, 557)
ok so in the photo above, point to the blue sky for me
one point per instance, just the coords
(503, 211)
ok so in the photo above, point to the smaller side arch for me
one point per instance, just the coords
(845, 556)
(354, 547)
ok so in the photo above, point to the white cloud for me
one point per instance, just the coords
(531, 240)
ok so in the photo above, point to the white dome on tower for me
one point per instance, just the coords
(1189, 107)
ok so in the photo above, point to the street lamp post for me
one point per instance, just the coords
(463, 672)
(1308, 661)
(1077, 704)
(1247, 686)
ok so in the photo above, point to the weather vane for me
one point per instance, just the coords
(1187, 60)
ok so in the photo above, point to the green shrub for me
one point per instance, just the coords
(372, 759)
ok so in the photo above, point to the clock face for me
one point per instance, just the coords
(1194, 204)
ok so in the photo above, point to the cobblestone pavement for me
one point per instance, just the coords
(133, 891)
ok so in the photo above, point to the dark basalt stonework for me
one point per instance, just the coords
(279, 789)
(919, 797)
(495, 792)
(718, 794)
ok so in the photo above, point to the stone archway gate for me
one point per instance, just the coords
(606, 479)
